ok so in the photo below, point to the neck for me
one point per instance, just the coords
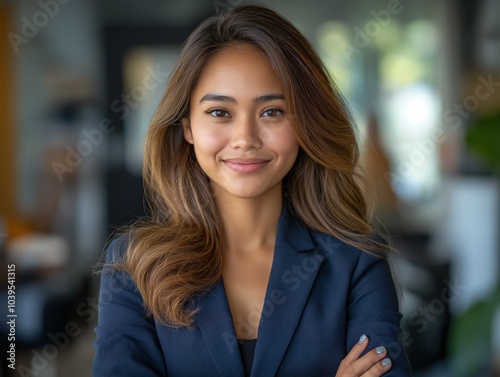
(250, 224)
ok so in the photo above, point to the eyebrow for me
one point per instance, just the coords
(222, 98)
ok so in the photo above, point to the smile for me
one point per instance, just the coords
(245, 166)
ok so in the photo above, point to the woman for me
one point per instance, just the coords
(258, 258)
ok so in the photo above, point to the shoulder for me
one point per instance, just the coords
(114, 251)
(351, 262)
(114, 272)
(334, 248)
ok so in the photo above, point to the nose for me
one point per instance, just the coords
(246, 134)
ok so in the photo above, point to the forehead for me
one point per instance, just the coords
(238, 68)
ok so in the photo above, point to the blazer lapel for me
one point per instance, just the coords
(295, 266)
(216, 325)
(296, 263)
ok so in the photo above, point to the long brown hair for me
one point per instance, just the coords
(176, 252)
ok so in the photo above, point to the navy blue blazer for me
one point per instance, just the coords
(321, 297)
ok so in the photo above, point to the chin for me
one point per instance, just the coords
(247, 191)
(246, 194)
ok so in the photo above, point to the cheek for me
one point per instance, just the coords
(285, 142)
(280, 137)
(208, 141)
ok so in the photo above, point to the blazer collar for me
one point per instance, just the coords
(286, 296)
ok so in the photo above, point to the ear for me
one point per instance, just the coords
(186, 127)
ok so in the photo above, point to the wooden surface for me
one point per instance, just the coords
(7, 142)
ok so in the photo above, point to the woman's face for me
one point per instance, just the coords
(238, 124)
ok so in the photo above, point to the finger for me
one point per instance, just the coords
(365, 364)
(379, 368)
(357, 350)
(354, 354)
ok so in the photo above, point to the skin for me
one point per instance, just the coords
(238, 111)
(221, 130)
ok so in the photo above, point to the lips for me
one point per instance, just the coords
(246, 161)
(245, 165)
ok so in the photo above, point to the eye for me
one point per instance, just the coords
(218, 113)
(273, 112)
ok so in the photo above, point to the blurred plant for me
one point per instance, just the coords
(484, 140)
(471, 335)
(470, 340)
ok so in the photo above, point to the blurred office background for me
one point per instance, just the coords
(80, 79)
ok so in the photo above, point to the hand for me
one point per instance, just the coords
(372, 364)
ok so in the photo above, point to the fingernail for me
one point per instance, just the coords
(362, 339)
(380, 350)
(386, 362)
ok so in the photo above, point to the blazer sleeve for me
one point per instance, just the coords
(127, 343)
(373, 310)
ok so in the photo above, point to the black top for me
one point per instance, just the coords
(247, 350)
